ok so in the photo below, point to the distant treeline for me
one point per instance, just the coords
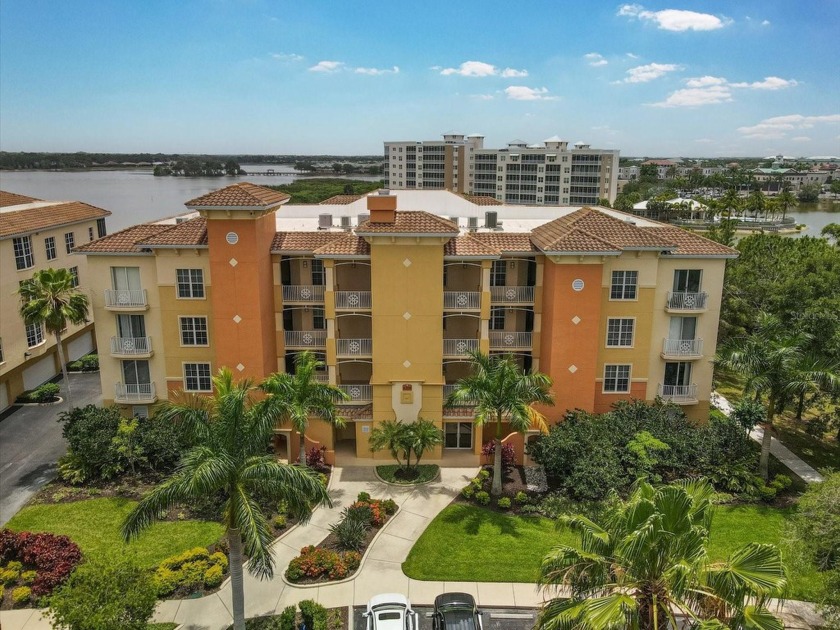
(316, 190)
(198, 168)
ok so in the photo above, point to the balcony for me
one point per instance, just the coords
(142, 393)
(351, 348)
(359, 394)
(459, 347)
(305, 339)
(126, 300)
(131, 346)
(679, 394)
(352, 300)
(681, 301)
(682, 348)
(511, 295)
(461, 300)
(303, 294)
(504, 341)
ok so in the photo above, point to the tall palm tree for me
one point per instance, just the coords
(298, 396)
(786, 200)
(777, 365)
(502, 392)
(730, 201)
(646, 561)
(231, 434)
(50, 298)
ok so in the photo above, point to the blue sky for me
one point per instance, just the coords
(252, 76)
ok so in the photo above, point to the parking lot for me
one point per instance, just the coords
(493, 618)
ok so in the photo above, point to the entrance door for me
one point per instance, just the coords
(131, 326)
(683, 328)
(677, 374)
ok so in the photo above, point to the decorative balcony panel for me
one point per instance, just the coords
(461, 300)
(686, 301)
(362, 394)
(303, 294)
(131, 346)
(124, 299)
(304, 339)
(682, 347)
(501, 340)
(512, 295)
(352, 300)
(459, 347)
(679, 394)
(354, 347)
(135, 393)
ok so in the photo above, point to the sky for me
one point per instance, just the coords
(667, 78)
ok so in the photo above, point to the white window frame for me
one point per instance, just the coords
(74, 273)
(34, 332)
(24, 258)
(617, 377)
(624, 285)
(621, 332)
(498, 315)
(209, 376)
(193, 331)
(458, 434)
(49, 248)
(190, 283)
(69, 241)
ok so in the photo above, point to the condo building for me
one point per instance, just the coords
(35, 235)
(550, 174)
(393, 290)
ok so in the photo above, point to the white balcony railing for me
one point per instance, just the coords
(354, 347)
(459, 347)
(357, 393)
(352, 299)
(461, 300)
(321, 377)
(510, 340)
(142, 392)
(306, 338)
(686, 300)
(304, 293)
(679, 393)
(125, 298)
(131, 346)
(512, 295)
(682, 347)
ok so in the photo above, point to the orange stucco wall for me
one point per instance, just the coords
(604, 402)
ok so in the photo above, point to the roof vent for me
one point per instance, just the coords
(362, 218)
(345, 223)
(324, 221)
(491, 219)
(472, 223)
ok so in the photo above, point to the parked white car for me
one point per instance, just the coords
(390, 611)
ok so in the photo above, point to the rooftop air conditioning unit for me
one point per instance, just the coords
(384, 192)
(345, 223)
(324, 221)
(362, 218)
(472, 223)
(491, 219)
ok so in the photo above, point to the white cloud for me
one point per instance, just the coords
(377, 71)
(649, 72)
(801, 139)
(327, 66)
(694, 97)
(482, 97)
(287, 57)
(522, 93)
(766, 23)
(511, 73)
(481, 69)
(777, 126)
(769, 83)
(595, 59)
(675, 19)
(632, 56)
(706, 81)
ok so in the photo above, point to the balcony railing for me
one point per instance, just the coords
(459, 347)
(131, 346)
(510, 340)
(353, 347)
(306, 338)
(139, 393)
(321, 377)
(512, 295)
(461, 300)
(682, 347)
(125, 298)
(303, 293)
(679, 393)
(352, 299)
(357, 393)
(686, 300)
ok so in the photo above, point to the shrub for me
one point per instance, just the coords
(21, 595)
(54, 557)
(488, 451)
(279, 521)
(2, 592)
(363, 497)
(484, 474)
(14, 565)
(9, 576)
(314, 615)
(48, 392)
(521, 497)
(220, 559)
(287, 618)
(28, 577)
(817, 524)
(504, 503)
(213, 576)
(190, 570)
(350, 534)
(361, 512)
(482, 497)
(317, 562)
(90, 363)
(390, 506)
(529, 510)
(468, 491)
(315, 458)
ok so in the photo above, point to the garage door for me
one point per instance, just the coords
(4, 396)
(80, 347)
(39, 373)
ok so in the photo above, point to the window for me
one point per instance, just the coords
(498, 273)
(194, 331)
(318, 320)
(136, 373)
(682, 328)
(1, 352)
(318, 272)
(74, 272)
(458, 434)
(140, 411)
(624, 285)
(90, 233)
(687, 281)
(677, 374)
(619, 332)
(49, 246)
(23, 252)
(497, 318)
(197, 377)
(190, 283)
(34, 334)
(100, 228)
(131, 326)
(616, 378)
(69, 242)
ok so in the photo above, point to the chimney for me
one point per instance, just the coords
(382, 206)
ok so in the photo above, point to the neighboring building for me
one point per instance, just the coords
(393, 290)
(34, 235)
(796, 179)
(551, 173)
(694, 210)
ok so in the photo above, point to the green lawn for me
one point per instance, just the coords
(469, 543)
(94, 525)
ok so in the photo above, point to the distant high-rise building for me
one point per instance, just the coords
(551, 173)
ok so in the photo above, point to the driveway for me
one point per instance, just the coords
(31, 443)
(492, 619)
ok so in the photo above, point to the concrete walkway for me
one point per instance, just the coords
(800, 468)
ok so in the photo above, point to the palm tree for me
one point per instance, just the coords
(50, 298)
(390, 435)
(786, 200)
(231, 434)
(730, 201)
(646, 561)
(777, 365)
(502, 392)
(300, 395)
(756, 203)
(423, 436)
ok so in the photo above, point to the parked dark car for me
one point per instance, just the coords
(456, 611)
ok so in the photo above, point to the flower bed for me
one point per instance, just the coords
(515, 498)
(196, 571)
(340, 554)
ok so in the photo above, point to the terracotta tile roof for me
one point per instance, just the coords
(506, 242)
(302, 241)
(188, 233)
(467, 246)
(355, 412)
(123, 242)
(691, 244)
(35, 219)
(581, 241)
(483, 200)
(243, 194)
(411, 222)
(347, 245)
(14, 199)
(340, 200)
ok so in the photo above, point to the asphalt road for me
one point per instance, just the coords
(493, 618)
(31, 443)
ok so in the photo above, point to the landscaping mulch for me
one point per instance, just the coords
(514, 481)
